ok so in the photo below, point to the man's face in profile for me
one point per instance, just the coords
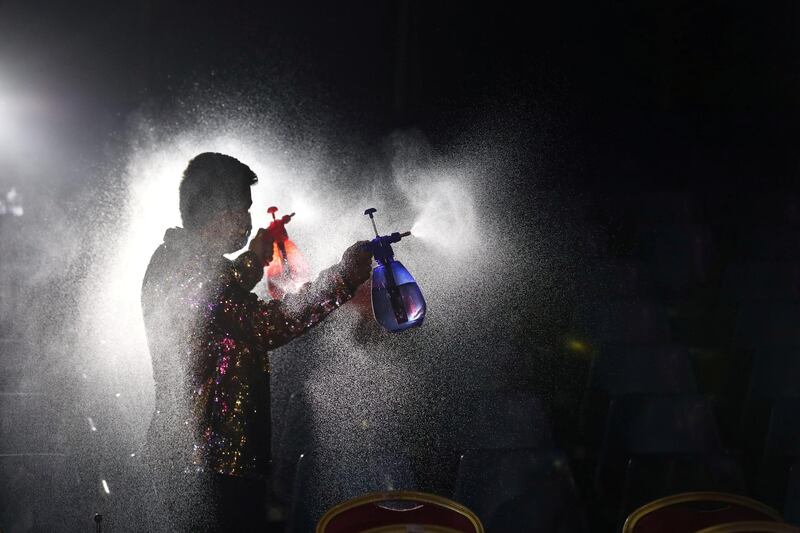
(230, 230)
(241, 223)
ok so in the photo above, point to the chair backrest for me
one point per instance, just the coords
(776, 206)
(30, 422)
(781, 450)
(791, 509)
(325, 478)
(295, 438)
(783, 435)
(631, 320)
(650, 477)
(41, 492)
(616, 279)
(693, 511)
(775, 374)
(620, 369)
(770, 243)
(776, 371)
(520, 490)
(664, 207)
(761, 280)
(760, 323)
(680, 255)
(640, 425)
(661, 424)
(385, 511)
(498, 419)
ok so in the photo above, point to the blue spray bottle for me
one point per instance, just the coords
(397, 302)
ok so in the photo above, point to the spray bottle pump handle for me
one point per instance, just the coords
(369, 212)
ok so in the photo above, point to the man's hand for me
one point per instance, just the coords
(262, 245)
(357, 264)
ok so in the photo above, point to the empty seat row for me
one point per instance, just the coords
(41, 492)
(761, 280)
(619, 369)
(665, 258)
(509, 490)
(487, 419)
(781, 451)
(648, 425)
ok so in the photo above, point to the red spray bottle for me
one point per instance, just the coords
(288, 269)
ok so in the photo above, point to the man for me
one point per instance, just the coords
(209, 338)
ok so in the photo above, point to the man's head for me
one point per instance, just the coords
(215, 200)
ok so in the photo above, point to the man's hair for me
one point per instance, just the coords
(211, 183)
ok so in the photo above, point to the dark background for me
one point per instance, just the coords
(663, 93)
(595, 102)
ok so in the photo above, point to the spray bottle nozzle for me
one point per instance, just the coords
(277, 228)
(284, 219)
(381, 244)
(396, 299)
(396, 236)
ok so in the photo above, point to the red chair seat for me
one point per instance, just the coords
(694, 511)
(386, 512)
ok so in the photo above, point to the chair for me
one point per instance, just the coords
(486, 419)
(679, 255)
(40, 492)
(520, 490)
(694, 511)
(770, 243)
(325, 478)
(30, 422)
(764, 280)
(767, 322)
(650, 477)
(616, 279)
(627, 320)
(779, 207)
(781, 450)
(495, 419)
(775, 374)
(593, 242)
(295, 438)
(391, 511)
(18, 371)
(791, 509)
(665, 207)
(622, 369)
(643, 425)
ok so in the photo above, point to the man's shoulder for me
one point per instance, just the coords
(160, 262)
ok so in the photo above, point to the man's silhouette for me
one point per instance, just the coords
(209, 338)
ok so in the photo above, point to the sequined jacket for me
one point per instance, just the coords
(209, 338)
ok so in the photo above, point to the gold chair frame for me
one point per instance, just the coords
(749, 526)
(421, 497)
(634, 517)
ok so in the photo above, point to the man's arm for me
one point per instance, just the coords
(276, 322)
(247, 270)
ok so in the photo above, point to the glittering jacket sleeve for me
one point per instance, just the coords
(276, 322)
(232, 387)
